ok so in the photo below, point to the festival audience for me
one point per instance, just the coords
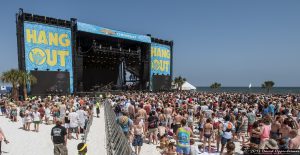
(255, 121)
(177, 122)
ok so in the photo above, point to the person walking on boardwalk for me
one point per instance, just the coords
(59, 138)
(97, 108)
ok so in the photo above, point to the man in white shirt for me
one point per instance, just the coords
(204, 107)
(36, 119)
(74, 120)
(82, 115)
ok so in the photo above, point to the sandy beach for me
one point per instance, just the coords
(32, 143)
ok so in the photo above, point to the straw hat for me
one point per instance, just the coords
(272, 144)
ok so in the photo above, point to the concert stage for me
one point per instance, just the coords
(90, 58)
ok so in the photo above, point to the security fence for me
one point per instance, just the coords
(87, 130)
(116, 142)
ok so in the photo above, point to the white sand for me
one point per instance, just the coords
(32, 143)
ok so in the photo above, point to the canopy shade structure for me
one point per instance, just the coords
(185, 86)
(188, 86)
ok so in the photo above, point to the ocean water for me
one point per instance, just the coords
(274, 90)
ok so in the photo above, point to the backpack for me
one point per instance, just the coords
(22, 111)
(153, 123)
(118, 109)
(123, 121)
(229, 127)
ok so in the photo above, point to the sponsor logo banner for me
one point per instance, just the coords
(113, 33)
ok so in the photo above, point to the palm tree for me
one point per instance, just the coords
(268, 85)
(215, 85)
(12, 76)
(26, 79)
(179, 81)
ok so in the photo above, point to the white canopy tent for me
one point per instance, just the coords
(188, 86)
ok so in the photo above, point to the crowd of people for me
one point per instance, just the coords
(178, 123)
(70, 115)
(190, 123)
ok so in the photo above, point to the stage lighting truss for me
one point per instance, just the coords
(100, 49)
(111, 50)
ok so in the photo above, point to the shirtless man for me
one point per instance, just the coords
(168, 111)
(274, 134)
(143, 114)
(285, 132)
(294, 143)
(208, 131)
(177, 120)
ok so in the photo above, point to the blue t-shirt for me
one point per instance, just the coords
(124, 124)
(265, 111)
(272, 108)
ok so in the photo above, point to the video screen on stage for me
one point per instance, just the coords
(51, 82)
(160, 65)
(161, 82)
(48, 48)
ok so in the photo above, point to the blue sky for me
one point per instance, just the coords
(233, 42)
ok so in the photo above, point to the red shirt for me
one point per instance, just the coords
(147, 108)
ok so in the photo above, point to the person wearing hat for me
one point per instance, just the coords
(82, 149)
(270, 144)
(59, 138)
(125, 123)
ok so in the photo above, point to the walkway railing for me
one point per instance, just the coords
(116, 142)
(87, 130)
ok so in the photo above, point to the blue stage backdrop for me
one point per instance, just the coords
(112, 33)
(48, 47)
(160, 60)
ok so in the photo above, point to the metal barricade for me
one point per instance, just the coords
(87, 130)
(116, 141)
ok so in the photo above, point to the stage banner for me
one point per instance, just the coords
(48, 47)
(113, 33)
(160, 62)
(160, 59)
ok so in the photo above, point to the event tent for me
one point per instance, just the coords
(188, 86)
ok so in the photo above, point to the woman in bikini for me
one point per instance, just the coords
(208, 131)
(200, 125)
